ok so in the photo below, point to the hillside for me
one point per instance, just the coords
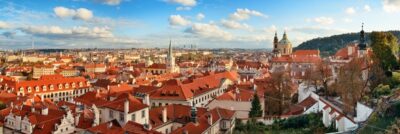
(329, 45)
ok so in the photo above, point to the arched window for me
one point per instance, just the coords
(51, 87)
(66, 85)
(44, 87)
(29, 89)
(60, 86)
(73, 85)
(37, 88)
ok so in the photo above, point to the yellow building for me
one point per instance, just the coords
(283, 47)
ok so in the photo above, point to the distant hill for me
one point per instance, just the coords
(329, 45)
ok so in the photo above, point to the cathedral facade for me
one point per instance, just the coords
(283, 46)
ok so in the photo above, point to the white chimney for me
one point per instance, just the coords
(164, 114)
(209, 119)
(350, 50)
(146, 99)
(126, 106)
(45, 110)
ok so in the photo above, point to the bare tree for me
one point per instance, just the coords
(279, 96)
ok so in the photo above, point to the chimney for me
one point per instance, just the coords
(185, 131)
(164, 114)
(126, 106)
(209, 119)
(45, 110)
(349, 50)
(146, 99)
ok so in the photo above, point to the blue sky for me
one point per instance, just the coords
(205, 23)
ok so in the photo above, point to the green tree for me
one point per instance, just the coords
(255, 110)
(2, 105)
(385, 48)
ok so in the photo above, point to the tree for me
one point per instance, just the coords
(350, 84)
(279, 96)
(385, 48)
(394, 128)
(318, 76)
(255, 110)
(2, 105)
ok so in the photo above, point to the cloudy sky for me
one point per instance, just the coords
(205, 23)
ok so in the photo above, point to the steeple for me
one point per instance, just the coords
(170, 49)
(362, 45)
(276, 40)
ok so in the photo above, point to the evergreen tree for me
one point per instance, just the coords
(255, 110)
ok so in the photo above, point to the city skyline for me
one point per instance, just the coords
(207, 24)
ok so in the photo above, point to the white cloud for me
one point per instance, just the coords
(200, 16)
(234, 25)
(367, 8)
(189, 3)
(347, 20)
(81, 13)
(323, 20)
(209, 31)
(350, 10)
(110, 2)
(271, 29)
(183, 8)
(178, 20)
(391, 6)
(317, 30)
(75, 32)
(4, 25)
(244, 14)
(63, 12)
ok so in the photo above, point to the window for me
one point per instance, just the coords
(44, 88)
(51, 87)
(121, 116)
(143, 113)
(133, 117)
(29, 89)
(60, 86)
(21, 89)
(73, 85)
(111, 114)
(37, 88)
(66, 85)
(80, 84)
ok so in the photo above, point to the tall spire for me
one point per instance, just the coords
(362, 33)
(170, 48)
(362, 45)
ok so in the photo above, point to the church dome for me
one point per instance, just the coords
(284, 40)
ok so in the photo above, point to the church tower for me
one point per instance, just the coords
(275, 51)
(362, 46)
(170, 61)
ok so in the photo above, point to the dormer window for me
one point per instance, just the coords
(21, 89)
(60, 86)
(73, 85)
(80, 84)
(51, 87)
(66, 85)
(44, 87)
(37, 88)
(29, 89)
(88, 83)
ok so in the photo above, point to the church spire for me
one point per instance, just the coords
(170, 49)
(362, 44)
